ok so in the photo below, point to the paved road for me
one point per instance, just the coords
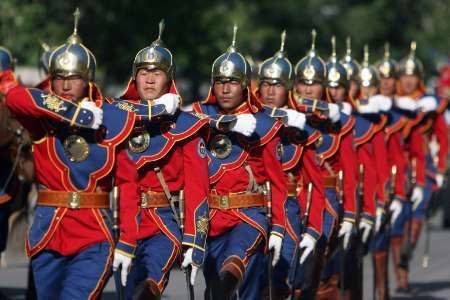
(430, 284)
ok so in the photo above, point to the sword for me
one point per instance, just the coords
(406, 249)
(295, 267)
(341, 242)
(268, 192)
(187, 271)
(116, 233)
(359, 251)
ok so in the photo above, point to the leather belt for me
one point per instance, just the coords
(154, 199)
(73, 200)
(231, 201)
(292, 189)
(330, 182)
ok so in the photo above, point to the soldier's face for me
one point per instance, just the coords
(151, 84)
(387, 86)
(228, 94)
(273, 94)
(337, 94)
(353, 90)
(310, 91)
(69, 87)
(367, 91)
(409, 83)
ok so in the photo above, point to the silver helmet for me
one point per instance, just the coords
(336, 72)
(311, 68)
(6, 59)
(232, 65)
(411, 65)
(155, 56)
(73, 58)
(368, 75)
(44, 60)
(387, 67)
(277, 69)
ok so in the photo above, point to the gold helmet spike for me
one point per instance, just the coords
(333, 57)
(75, 38)
(366, 56)
(45, 46)
(348, 43)
(313, 40)
(387, 54)
(283, 40)
(350, 64)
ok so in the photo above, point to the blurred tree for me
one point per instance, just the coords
(198, 31)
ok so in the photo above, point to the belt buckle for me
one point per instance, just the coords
(144, 200)
(74, 200)
(224, 202)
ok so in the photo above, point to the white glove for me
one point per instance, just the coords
(170, 101)
(188, 261)
(275, 243)
(346, 108)
(439, 180)
(395, 208)
(368, 108)
(333, 112)
(309, 244)
(245, 124)
(382, 102)
(97, 113)
(346, 232)
(406, 103)
(417, 196)
(378, 219)
(365, 227)
(295, 118)
(124, 261)
(434, 146)
(427, 104)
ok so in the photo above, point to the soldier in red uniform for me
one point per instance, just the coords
(170, 156)
(242, 158)
(332, 151)
(77, 147)
(396, 120)
(425, 126)
(275, 82)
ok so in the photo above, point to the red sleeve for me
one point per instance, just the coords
(382, 164)
(22, 106)
(126, 179)
(196, 187)
(440, 130)
(311, 173)
(416, 148)
(369, 181)
(397, 158)
(347, 155)
(275, 175)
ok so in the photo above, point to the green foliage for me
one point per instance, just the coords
(198, 31)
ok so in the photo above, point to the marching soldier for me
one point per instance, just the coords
(352, 67)
(388, 71)
(242, 158)
(424, 129)
(332, 152)
(275, 83)
(172, 173)
(75, 159)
